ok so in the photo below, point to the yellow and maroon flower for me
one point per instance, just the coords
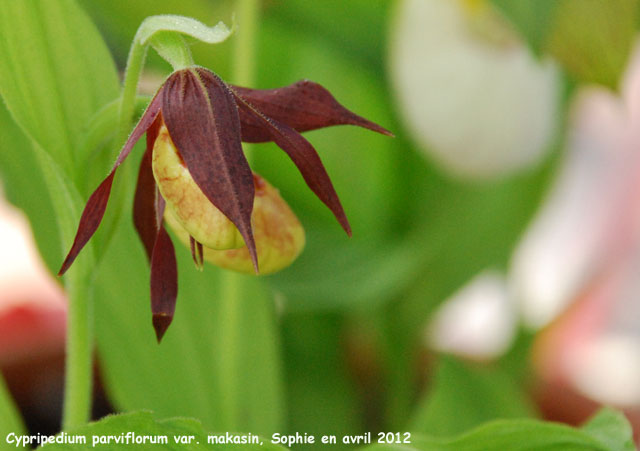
(195, 124)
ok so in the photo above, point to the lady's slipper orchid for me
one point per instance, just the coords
(202, 121)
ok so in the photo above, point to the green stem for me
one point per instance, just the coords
(173, 48)
(230, 326)
(135, 62)
(244, 58)
(79, 368)
(247, 13)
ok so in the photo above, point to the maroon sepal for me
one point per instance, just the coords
(144, 204)
(304, 156)
(164, 279)
(89, 221)
(96, 205)
(303, 106)
(201, 115)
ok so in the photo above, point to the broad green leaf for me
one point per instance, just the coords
(23, 184)
(10, 420)
(219, 361)
(533, 19)
(516, 435)
(593, 38)
(463, 396)
(612, 428)
(179, 434)
(55, 72)
(38, 185)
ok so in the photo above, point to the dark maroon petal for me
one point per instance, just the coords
(144, 204)
(164, 280)
(202, 118)
(97, 203)
(89, 221)
(304, 157)
(304, 105)
(164, 283)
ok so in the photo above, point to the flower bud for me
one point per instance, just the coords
(278, 234)
(185, 200)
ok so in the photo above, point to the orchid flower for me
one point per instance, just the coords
(194, 125)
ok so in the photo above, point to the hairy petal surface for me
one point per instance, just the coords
(303, 155)
(96, 205)
(201, 115)
(303, 106)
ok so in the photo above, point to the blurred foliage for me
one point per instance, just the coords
(591, 38)
(464, 396)
(533, 19)
(594, 57)
(189, 433)
(343, 351)
(606, 431)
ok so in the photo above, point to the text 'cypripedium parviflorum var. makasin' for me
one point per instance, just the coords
(194, 175)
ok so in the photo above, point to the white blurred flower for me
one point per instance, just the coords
(477, 321)
(590, 219)
(470, 92)
(584, 249)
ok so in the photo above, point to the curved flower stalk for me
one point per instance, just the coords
(202, 120)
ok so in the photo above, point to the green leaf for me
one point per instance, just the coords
(10, 420)
(55, 72)
(177, 434)
(513, 435)
(593, 38)
(24, 185)
(612, 428)
(533, 19)
(464, 396)
(219, 360)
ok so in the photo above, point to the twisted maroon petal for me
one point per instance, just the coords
(164, 279)
(201, 115)
(303, 106)
(145, 216)
(94, 210)
(303, 155)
